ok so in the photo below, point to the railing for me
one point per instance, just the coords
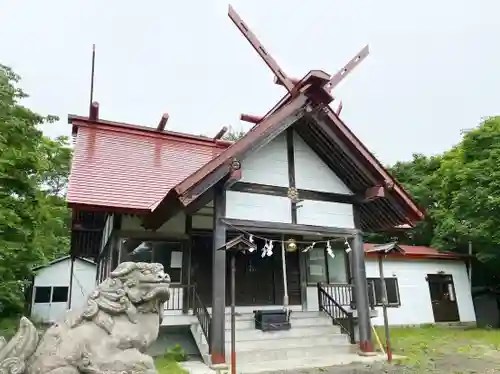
(201, 312)
(343, 294)
(337, 313)
(180, 298)
(185, 298)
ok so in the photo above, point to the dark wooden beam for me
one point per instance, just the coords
(259, 48)
(291, 170)
(339, 108)
(252, 141)
(357, 256)
(186, 265)
(250, 118)
(288, 228)
(200, 202)
(210, 181)
(217, 335)
(322, 124)
(264, 189)
(342, 73)
(221, 133)
(280, 83)
(94, 111)
(163, 122)
(374, 193)
(233, 178)
(381, 171)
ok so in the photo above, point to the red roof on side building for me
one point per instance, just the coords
(417, 252)
(131, 168)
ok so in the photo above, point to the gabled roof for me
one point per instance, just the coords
(126, 168)
(308, 111)
(61, 259)
(413, 252)
(388, 248)
(123, 167)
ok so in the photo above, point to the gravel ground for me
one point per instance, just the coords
(450, 363)
(433, 350)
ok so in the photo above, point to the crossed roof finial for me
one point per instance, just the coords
(281, 77)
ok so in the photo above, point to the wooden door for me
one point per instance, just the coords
(201, 267)
(254, 280)
(443, 298)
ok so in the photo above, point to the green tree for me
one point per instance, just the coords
(33, 216)
(460, 191)
(419, 177)
(469, 208)
(234, 135)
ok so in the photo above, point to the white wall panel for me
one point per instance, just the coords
(256, 207)
(269, 165)
(311, 173)
(323, 213)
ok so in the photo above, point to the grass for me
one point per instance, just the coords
(431, 346)
(169, 363)
(165, 365)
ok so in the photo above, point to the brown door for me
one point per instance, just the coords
(254, 280)
(443, 298)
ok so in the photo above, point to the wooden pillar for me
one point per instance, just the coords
(217, 335)
(186, 267)
(361, 294)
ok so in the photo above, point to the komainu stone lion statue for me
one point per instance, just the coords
(121, 319)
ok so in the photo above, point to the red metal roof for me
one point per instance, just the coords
(130, 167)
(418, 252)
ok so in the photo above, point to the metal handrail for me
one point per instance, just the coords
(336, 312)
(201, 313)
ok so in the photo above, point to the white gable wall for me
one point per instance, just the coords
(58, 275)
(311, 173)
(416, 307)
(269, 166)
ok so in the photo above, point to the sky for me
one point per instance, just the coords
(433, 68)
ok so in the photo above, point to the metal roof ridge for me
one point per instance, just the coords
(140, 130)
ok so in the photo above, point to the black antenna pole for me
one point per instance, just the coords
(92, 76)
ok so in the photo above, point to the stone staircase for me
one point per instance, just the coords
(313, 341)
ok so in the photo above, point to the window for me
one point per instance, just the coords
(42, 294)
(60, 295)
(316, 266)
(169, 254)
(375, 291)
(337, 270)
(321, 267)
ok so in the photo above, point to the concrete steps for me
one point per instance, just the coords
(289, 343)
(312, 338)
(299, 364)
(293, 333)
(297, 321)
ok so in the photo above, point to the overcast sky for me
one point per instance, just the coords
(433, 69)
